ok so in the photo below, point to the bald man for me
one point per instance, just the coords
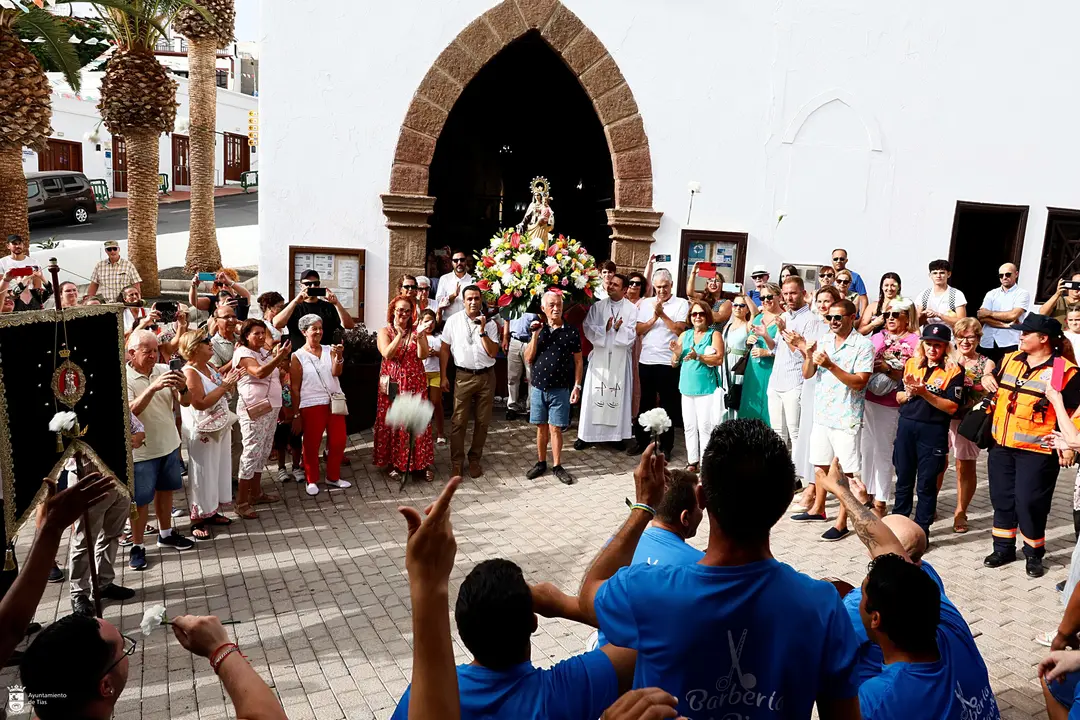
(1000, 309)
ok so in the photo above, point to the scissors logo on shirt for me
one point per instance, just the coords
(747, 680)
(731, 694)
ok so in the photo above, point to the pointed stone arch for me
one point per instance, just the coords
(408, 205)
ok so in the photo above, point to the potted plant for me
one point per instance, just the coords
(360, 377)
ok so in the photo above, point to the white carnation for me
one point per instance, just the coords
(524, 259)
(537, 243)
(411, 412)
(152, 618)
(550, 261)
(63, 420)
(655, 421)
(580, 281)
(507, 278)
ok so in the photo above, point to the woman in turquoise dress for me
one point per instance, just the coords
(762, 344)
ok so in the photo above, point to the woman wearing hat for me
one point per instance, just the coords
(1022, 470)
(933, 388)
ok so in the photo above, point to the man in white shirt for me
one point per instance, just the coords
(941, 303)
(20, 270)
(1000, 309)
(611, 327)
(660, 320)
(785, 383)
(448, 297)
(473, 340)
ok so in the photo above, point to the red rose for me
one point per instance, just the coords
(505, 300)
(484, 285)
(488, 261)
(515, 267)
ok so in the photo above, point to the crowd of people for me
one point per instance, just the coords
(819, 390)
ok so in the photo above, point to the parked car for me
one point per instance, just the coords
(59, 195)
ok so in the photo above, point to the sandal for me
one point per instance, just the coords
(199, 532)
(150, 529)
(266, 499)
(429, 474)
(960, 523)
(395, 475)
(244, 511)
(692, 467)
(218, 519)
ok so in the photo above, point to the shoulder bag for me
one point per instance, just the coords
(257, 410)
(338, 406)
(977, 426)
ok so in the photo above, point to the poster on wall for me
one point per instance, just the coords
(340, 270)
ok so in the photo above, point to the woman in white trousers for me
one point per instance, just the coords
(698, 352)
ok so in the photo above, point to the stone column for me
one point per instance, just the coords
(407, 220)
(632, 236)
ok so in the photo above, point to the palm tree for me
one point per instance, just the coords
(138, 102)
(204, 38)
(25, 101)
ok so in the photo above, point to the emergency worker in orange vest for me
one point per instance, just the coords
(1023, 470)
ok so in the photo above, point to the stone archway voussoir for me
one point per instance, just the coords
(535, 12)
(506, 20)
(425, 117)
(481, 40)
(561, 30)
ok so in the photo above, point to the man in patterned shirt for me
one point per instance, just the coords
(113, 274)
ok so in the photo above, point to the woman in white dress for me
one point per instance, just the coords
(207, 427)
(258, 407)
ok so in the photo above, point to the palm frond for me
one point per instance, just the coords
(138, 24)
(57, 47)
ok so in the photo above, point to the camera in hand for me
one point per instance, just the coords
(316, 292)
(661, 258)
(1071, 284)
(176, 364)
(21, 271)
(168, 310)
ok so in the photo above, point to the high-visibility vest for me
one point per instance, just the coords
(1022, 414)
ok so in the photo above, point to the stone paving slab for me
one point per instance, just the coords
(320, 589)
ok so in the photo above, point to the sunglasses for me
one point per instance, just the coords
(766, 298)
(459, 260)
(738, 305)
(1004, 275)
(697, 314)
(108, 250)
(842, 282)
(408, 287)
(758, 277)
(310, 283)
(893, 315)
(828, 275)
(839, 259)
(636, 283)
(835, 318)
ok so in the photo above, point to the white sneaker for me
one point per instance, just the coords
(340, 484)
(312, 489)
(299, 475)
(284, 476)
(441, 441)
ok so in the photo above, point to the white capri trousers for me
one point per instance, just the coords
(784, 410)
(878, 436)
(697, 424)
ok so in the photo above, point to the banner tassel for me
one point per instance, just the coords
(9, 560)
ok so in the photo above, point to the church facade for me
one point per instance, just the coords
(739, 132)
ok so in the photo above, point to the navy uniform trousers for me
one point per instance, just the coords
(919, 455)
(1021, 490)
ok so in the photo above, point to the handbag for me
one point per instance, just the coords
(260, 408)
(977, 425)
(733, 377)
(338, 405)
(388, 387)
(214, 419)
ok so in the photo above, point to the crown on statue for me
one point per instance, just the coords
(540, 185)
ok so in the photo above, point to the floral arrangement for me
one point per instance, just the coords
(515, 269)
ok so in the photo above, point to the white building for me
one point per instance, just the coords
(81, 142)
(900, 131)
(171, 51)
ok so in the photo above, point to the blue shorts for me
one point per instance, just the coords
(1064, 691)
(163, 473)
(550, 407)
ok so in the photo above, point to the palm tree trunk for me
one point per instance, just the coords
(143, 158)
(203, 253)
(13, 191)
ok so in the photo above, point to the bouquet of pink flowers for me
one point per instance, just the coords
(515, 269)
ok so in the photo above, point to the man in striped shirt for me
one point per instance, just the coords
(785, 383)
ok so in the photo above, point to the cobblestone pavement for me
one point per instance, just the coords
(320, 589)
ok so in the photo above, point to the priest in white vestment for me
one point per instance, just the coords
(606, 398)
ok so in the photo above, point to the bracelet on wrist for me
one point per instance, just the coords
(219, 655)
(640, 506)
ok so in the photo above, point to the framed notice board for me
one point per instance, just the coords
(340, 269)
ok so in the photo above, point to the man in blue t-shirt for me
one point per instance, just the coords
(494, 615)
(931, 666)
(839, 262)
(721, 635)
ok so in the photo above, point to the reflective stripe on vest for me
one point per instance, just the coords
(1025, 426)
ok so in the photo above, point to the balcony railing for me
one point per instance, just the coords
(171, 45)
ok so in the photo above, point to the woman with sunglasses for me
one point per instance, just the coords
(826, 277)
(844, 278)
(933, 388)
(697, 353)
(762, 343)
(404, 347)
(800, 454)
(873, 318)
(711, 295)
(894, 344)
(967, 333)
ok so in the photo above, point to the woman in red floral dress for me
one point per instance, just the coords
(402, 346)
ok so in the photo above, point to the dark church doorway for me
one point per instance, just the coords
(984, 238)
(524, 115)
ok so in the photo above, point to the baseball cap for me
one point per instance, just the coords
(759, 270)
(112, 244)
(1034, 322)
(937, 331)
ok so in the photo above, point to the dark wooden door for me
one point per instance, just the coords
(61, 155)
(237, 157)
(180, 160)
(119, 165)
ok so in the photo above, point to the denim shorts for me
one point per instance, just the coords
(163, 473)
(1064, 691)
(549, 407)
